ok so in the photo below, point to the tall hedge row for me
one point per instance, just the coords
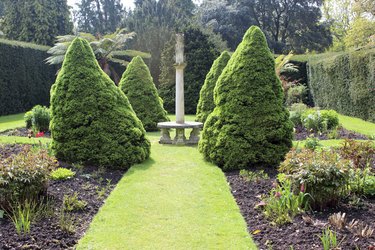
(345, 82)
(25, 79)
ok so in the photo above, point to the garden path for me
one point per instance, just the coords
(175, 200)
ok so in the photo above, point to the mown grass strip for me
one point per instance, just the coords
(11, 121)
(357, 125)
(175, 200)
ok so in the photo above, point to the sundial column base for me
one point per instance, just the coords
(180, 138)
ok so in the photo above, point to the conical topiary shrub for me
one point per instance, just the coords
(249, 125)
(206, 97)
(138, 86)
(92, 121)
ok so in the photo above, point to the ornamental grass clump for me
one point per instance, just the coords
(92, 121)
(138, 86)
(206, 100)
(249, 125)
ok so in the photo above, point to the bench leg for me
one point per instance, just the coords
(194, 136)
(165, 136)
(180, 138)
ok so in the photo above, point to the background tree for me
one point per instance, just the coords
(361, 33)
(154, 22)
(37, 21)
(108, 49)
(92, 121)
(200, 54)
(99, 16)
(249, 125)
(288, 25)
(138, 86)
(206, 96)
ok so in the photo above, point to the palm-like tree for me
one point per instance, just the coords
(108, 48)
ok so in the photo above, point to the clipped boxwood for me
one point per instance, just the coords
(92, 121)
(206, 100)
(138, 86)
(249, 124)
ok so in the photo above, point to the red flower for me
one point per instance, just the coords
(39, 134)
(277, 194)
(302, 188)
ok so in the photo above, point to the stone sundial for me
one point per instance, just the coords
(180, 124)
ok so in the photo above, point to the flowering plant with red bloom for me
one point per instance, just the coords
(39, 134)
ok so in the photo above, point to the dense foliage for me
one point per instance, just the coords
(37, 21)
(38, 119)
(249, 124)
(324, 175)
(138, 86)
(99, 16)
(206, 96)
(344, 82)
(288, 25)
(92, 121)
(24, 175)
(200, 54)
(25, 78)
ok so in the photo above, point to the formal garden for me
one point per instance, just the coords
(209, 141)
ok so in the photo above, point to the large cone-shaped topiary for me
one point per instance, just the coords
(92, 121)
(249, 125)
(206, 100)
(138, 86)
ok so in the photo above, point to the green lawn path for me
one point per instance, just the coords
(175, 200)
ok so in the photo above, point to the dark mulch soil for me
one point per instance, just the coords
(46, 233)
(299, 234)
(302, 133)
(22, 132)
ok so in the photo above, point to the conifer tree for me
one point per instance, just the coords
(249, 125)
(206, 100)
(92, 120)
(138, 86)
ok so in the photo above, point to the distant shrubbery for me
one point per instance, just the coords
(38, 119)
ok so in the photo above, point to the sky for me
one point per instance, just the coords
(127, 3)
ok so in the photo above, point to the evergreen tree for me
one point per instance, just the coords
(206, 97)
(249, 124)
(200, 54)
(138, 86)
(92, 121)
(99, 16)
(37, 21)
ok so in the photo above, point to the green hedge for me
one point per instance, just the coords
(25, 79)
(344, 82)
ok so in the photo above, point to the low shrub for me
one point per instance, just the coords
(62, 174)
(369, 186)
(360, 153)
(24, 176)
(362, 182)
(72, 203)
(319, 120)
(296, 111)
(324, 174)
(296, 94)
(38, 118)
(312, 143)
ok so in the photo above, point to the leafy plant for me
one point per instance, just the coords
(296, 94)
(329, 239)
(369, 186)
(22, 215)
(360, 153)
(253, 176)
(324, 174)
(101, 192)
(72, 203)
(296, 111)
(24, 176)
(62, 174)
(338, 220)
(282, 205)
(66, 222)
(312, 142)
(320, 120)
(38, 118)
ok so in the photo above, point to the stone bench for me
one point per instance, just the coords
(180, 138)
